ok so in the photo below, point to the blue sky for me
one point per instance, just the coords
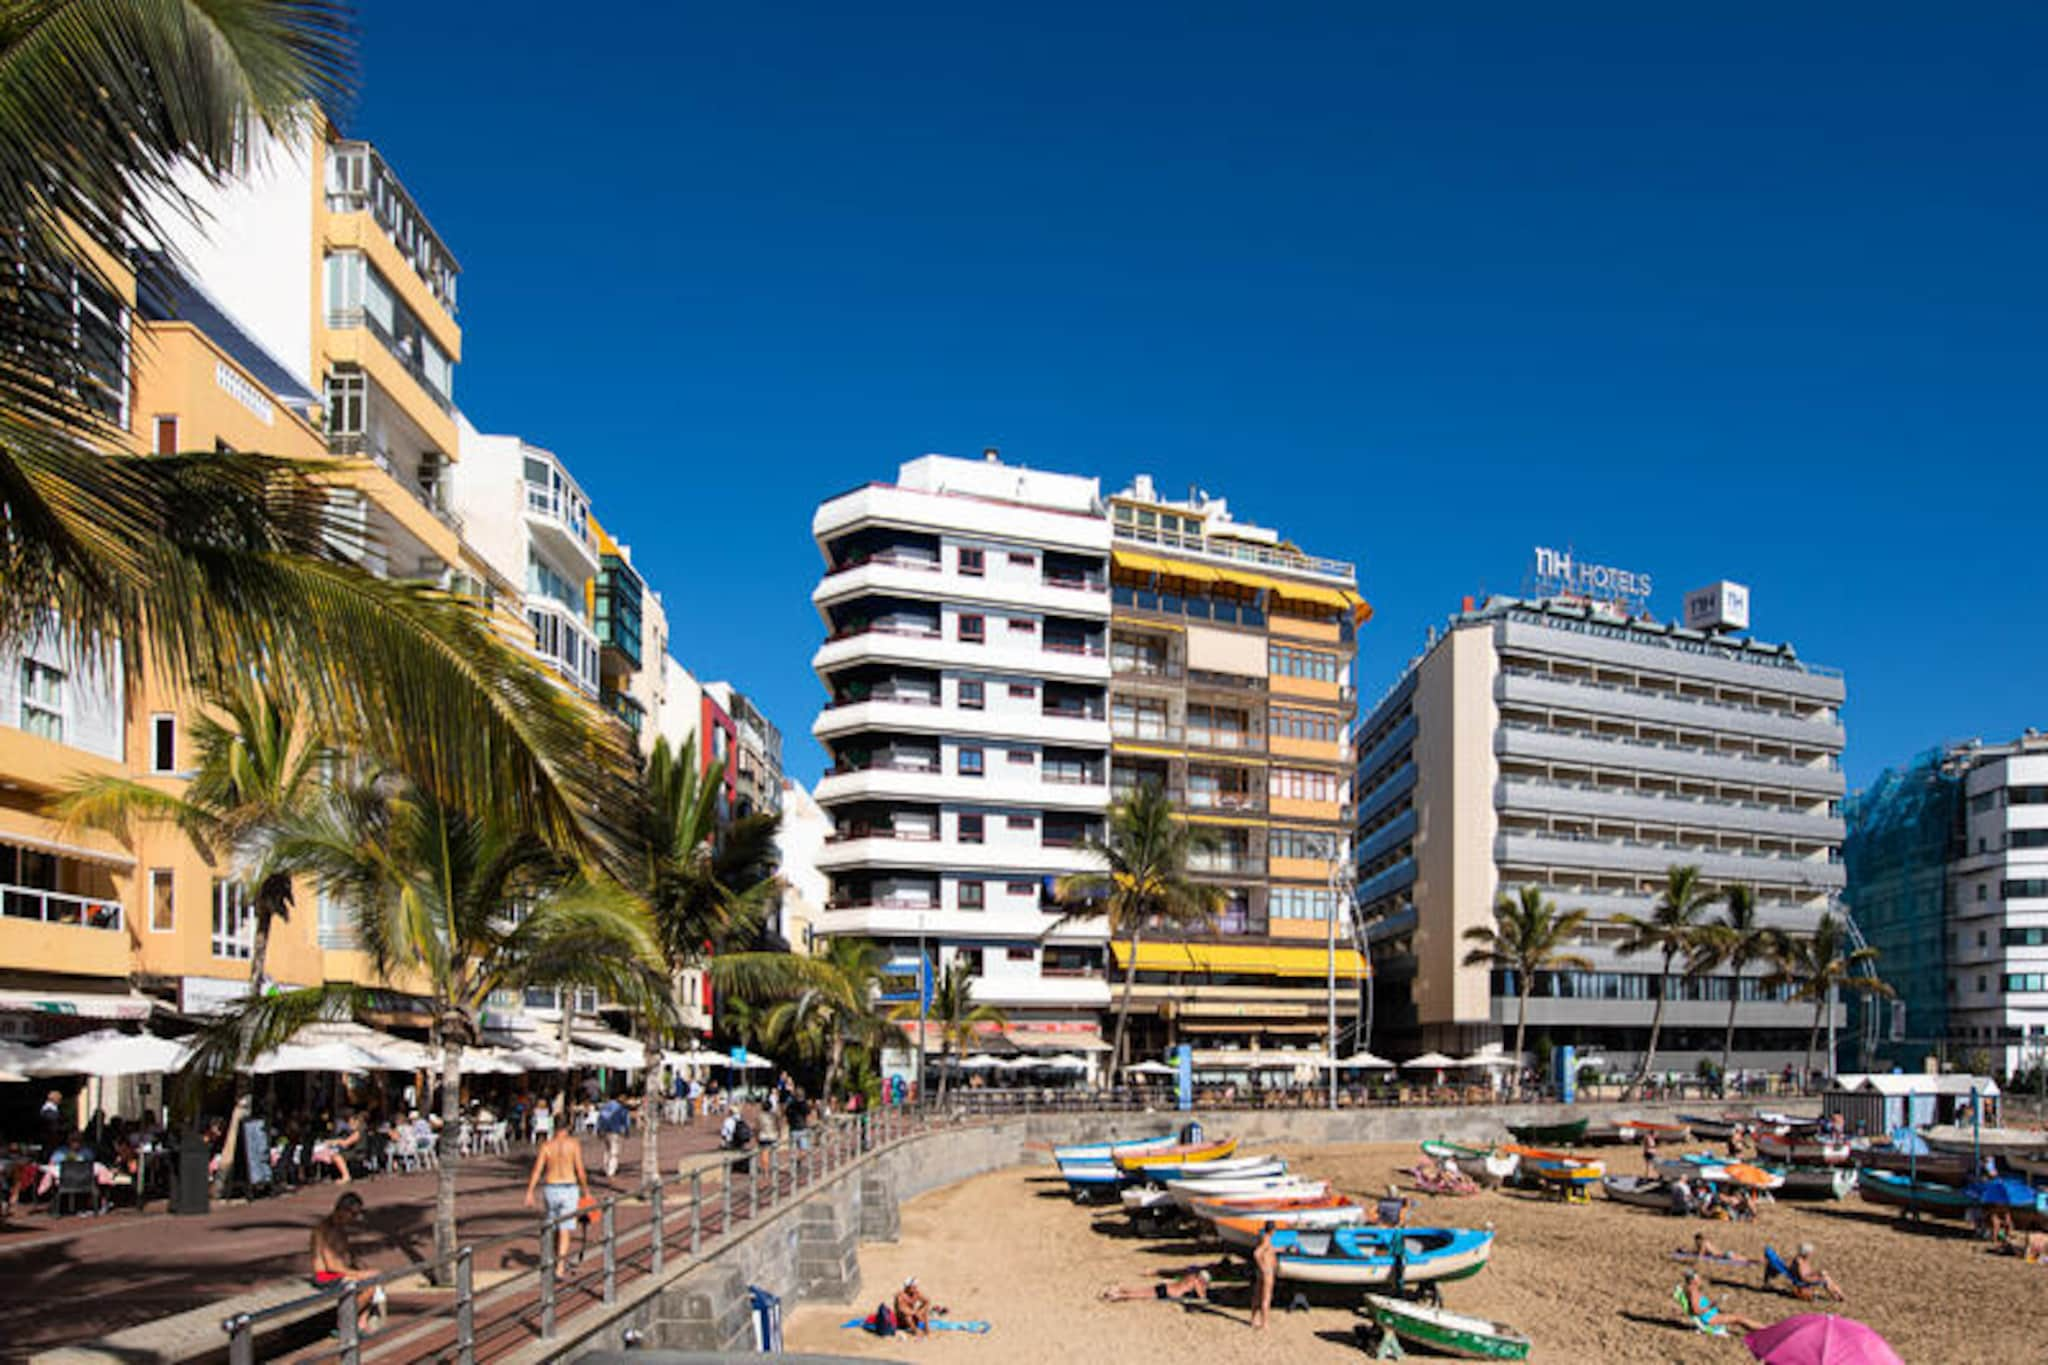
(1750, 291)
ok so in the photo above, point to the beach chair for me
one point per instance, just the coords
(1685, 1311)
(1776, 1265)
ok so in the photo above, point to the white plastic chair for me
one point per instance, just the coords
(404, 1153)
(497, 1139)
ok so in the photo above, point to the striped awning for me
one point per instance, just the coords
(1250, 959)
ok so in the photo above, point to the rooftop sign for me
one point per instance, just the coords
(1559, 572)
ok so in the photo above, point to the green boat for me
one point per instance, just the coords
(1438, 1149)
(1544, 1134)
(1448, 1333)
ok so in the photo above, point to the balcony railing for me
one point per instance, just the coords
(1156, 731)
(1225, 801)
(1073, 712)
(1827, 763)
(1086, 777)
(1225, 863)
(1125, 666)
(357, 445)
(1202, 677)
(886, 765)
(1076, 583)
(885, 557)
(886, 903)
(407, 355)
(1207, 738)
(1238, 551)
(1090, 649)
(359, 181)
(882, 694)
(57, 907)
(885, 628)
(1653, 694)
(909, 836)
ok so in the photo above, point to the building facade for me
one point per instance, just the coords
(1231, 654)
(1563, 744)
(1948, 876)
(966, 671)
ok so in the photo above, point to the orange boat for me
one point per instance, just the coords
(1188, 1154)
(1330, 1211)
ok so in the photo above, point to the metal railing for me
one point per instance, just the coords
(749, 1184)
(55, 907)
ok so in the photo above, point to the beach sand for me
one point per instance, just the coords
(1586, 1283)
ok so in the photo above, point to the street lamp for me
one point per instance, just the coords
(1340, 903)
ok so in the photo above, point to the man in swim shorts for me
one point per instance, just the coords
(559, 1176)
(1192, 1284)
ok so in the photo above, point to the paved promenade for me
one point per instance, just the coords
(72, 1279)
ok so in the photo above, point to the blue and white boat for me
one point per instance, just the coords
(1109, 1151)
(1368, 1256)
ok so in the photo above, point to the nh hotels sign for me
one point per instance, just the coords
(1558, 571)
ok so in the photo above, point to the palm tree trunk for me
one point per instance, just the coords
(945, 1069)
(833, 1051)
(1123, 1004)
(268, 902)
(451, 1153)
(1728, 1038)
(650, 1114)
(1656, 1028)
(1521, 1025)
(1813, 1041)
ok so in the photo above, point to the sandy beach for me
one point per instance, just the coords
(1586, 1283)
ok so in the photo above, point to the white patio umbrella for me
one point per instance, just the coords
(1066, 1061)
(1492, 1061)
(1429, 1061)
(752, 1061)
(1016, 1063)
(696, 1056)
(15, 1056)
(1151, 1069)
(1361, 1061)
(980, 1061)
(107, 1052)
(11, 1077)
(313, 1057)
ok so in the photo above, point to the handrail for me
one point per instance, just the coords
(843, 1144)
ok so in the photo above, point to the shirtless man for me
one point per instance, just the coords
(914, 1310)
(1192, 1284)
(1705, 1250)
(1805, 1271)
(1265, 1270)
(334, 1264)
(559, 1176)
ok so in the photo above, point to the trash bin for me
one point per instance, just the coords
(767, 1320)
(189, 1177)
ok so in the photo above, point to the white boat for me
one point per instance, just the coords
(1240, 1227)
(1231, 1168)
(1110, 1150)
(2000, 1142)
(1185, 1192)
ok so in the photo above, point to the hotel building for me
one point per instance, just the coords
(1563, 744)
(966, 670)
(1948, 877)
(1230, 688)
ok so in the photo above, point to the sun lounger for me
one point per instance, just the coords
(1699, 1324)
(1775, 1265)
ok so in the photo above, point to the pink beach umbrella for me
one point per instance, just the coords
(1820, 1339)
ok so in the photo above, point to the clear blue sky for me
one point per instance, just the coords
(1753, 292)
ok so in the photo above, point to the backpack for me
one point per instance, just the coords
(883, 1323)
(742, 1133)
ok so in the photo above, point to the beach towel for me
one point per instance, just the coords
(938, 1325)
(1724, 1258)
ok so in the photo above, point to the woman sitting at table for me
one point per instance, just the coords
(333, 1152)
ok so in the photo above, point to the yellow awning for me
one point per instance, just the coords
(1242, 958)
(1193, 573)
(1309, 592)
(1256, 582)
(1361, 610)
(1137, 563)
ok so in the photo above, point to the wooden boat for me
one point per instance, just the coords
(2034, 1165)
(1445, 1332)
(1205, 1187)
(1105, 1151)
(1710, 1129)
(1632, 1130)
(1787, 1123)
(1487, 1165)
(1641, 1191)
(1714, 1170)
(1946, 1168)
(1914, 1196)
(1088, 1177)
(1814, 1182)
(1801, 1151)
(1369, 1256)
(1998, 1142)
(1330, 1211)
(1240, 1168)
(1437, 1149)
(1539, 1133)
(1575, 1170)
(1604, 1135)
(1179, 1154)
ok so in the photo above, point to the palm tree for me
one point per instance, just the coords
(1670, 931)
(821, 1005)
(259, 774)
(217, 566)
(954, 1013)
(1820, 965)
(1736, 942)
(456, 906)
(1527, 936)
(1144, 881)
(706, 887)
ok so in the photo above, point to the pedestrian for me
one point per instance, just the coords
(1265, 1270)
(613, 1121)
(559, 1176)
(798, 1116)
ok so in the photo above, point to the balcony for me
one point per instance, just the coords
(1807, 875)
(1231, 741)
(619, 599)
(1145, 731)
(1073, 645)
(56, 907)
(889, 559)
(405, 341)
(1533, 688)
(1590, 799)
(855, 630)
(564, 643)
(558, 514)
(1239, 552)
(359, 181)
(1226, 803)
(1518, 739)
(1226, 863)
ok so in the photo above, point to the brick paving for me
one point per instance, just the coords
(72, 1279)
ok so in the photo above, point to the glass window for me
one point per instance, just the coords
(970, 829)
(1021, 822)
(970, 696)
(163, 907)
(42, 700)
(969, 764)
(234, 921)
(1021, 757)
(973, 629)
(1021, 888)
(971, 895)
(971, 563)
(1024, 691)
(1023, 625)
(163, 744)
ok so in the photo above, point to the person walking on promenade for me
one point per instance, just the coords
(559, 1176)
(613, 1121)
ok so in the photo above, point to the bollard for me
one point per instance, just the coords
(465, 1307)
(659, 1231)
(547, 1278)
(241, 1340)
(725, 1202)
(696, 1210)
(756, 1182)
(611, 1251)
(351, 1335)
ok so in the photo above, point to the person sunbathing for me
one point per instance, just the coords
(1192, 1284)
(1707, 1313)
(1806, 1277)
(914, 1311)
(1704, 1249)
(2033, 1251)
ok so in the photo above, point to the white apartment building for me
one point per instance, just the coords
(966, 609)
(798, 841)
(1563, 744)
(1998, 898)
(530, 521)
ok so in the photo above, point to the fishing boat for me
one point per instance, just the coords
(1947, 1168)
(1914, 1196)
(1209, 1187)
(1709, 1129)
(1438, 1148)
(1487, 1165)
(1998, 1142)
(1803, 1150)
(1105, 1151)
(1538, 1133)
(1368, 1256)
(2034, 1164)
(1604, 1135)
(1814, 1182)
(1642, 1191)
(1713, 1170)
(1447, 1333)
(1787, 1123)
(1240, 1168)
(1328, 1211)
(1178, 1154)
(1634, 1130)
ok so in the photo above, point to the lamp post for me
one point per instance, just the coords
(1340, 897)
(924, 1005)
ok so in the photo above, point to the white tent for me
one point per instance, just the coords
(1429, 1061)
(314, 1057)
(981, 1061)
(751, 1061)
(107, 1052)
(1066, 1061)
(1492, 1061)
(1016, 1063)
(1363, 1061)
(696, 1056)
(15, 1056)
(1150, 1069)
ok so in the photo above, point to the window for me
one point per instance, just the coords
(163, 744)
(1023, 888)
(971, 895)
(2031, 937)
(969, 763)
(969, 958)
(1287, 661)
(1299, 843)
(970, 829)
(1023, 691)
(1299, 902)
(973, 629)
(42, 700)
(971, 563)
(163, 905)
(234, 921)
(166, 436)
(1021, 822)
(970, 696)
(1023, 561)
(2013, 886)
(1299, 784)
(348, 397)
(1023, 625)
(1020, 954)
(1021, 757)
(1983, 890)
(1290, 723)
(1980, 938)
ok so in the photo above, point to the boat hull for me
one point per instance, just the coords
(1178, 1155)
(1934, 1201)
(1998, 1142)
(1643, 1194)
(1943, 1168)
(1106, 1151)
(1815, 1182)
(1452, 1334)
(1538, 1133)
(1313, 1217)
(1364, 1255)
